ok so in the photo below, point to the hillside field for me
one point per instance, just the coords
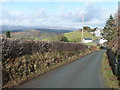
(77, 35)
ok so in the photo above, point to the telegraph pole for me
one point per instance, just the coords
(82, 25)
(118, 19)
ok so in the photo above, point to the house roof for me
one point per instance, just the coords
(88, 38)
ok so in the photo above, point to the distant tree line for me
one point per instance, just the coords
(88, 29)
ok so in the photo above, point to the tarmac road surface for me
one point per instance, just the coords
(82, 73)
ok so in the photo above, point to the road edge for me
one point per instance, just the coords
(54, 67)
(110, 80)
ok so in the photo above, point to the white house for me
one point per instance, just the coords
(87, 40)
(98, 33)
(101, 41)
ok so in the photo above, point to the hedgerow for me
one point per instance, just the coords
(22, 59)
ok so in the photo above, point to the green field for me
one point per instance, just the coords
(77, 35)
(71, 36)
(90, 44)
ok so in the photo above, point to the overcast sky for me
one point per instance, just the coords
(66, 14)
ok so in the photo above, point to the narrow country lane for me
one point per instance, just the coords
(82, 73)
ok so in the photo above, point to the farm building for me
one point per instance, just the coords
(87, 40)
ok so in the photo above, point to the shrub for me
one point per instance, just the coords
(8, 35)
(64, 39)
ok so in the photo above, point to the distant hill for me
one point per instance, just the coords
(23, 29)
(32, 32)
(13, 28)
(54, 30)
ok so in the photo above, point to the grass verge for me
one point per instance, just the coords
(109, 78)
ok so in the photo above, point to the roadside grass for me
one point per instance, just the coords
(0, 75)
(109, 78)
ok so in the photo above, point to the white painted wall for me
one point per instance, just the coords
(102, 41)
(87, 41)
(98, 33)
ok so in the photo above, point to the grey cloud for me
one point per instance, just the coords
(93, 17)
